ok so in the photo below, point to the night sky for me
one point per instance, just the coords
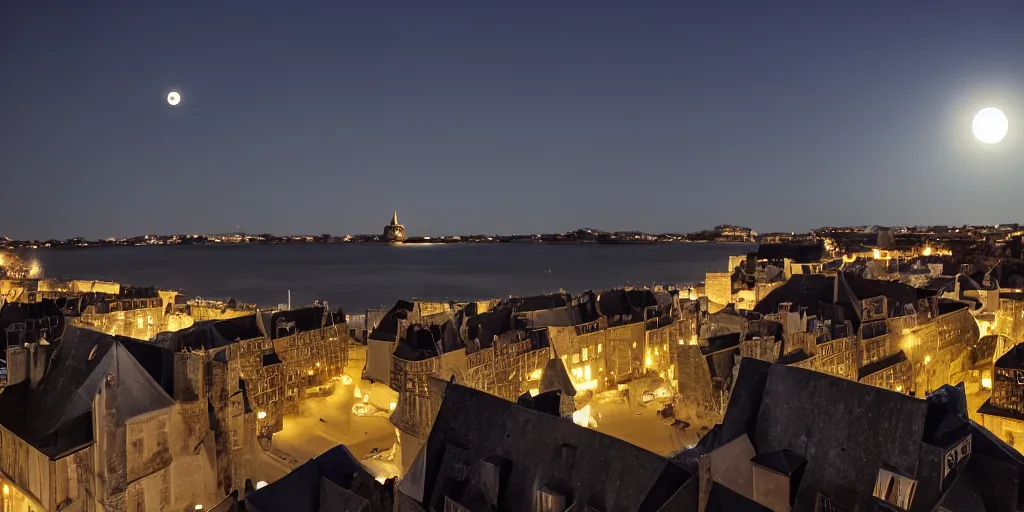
(504, 117)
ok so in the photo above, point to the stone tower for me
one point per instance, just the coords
(394, 232)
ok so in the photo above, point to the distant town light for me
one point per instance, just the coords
(260, 415)
(261, 484)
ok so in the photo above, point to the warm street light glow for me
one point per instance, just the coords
(986, 383)
(899, 389)
(927, 251)
(261, 484)
(535, 375)
(393, 405)
(260, 415)
(990, 125)
(927, 359)
(7, 490)
(346, 380)
(199, 507)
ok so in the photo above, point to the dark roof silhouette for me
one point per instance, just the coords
(55, 416)
(847, 431)
(799, 253)
(542, 451)
(332, 481)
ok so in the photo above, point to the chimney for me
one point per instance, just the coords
(38, 358)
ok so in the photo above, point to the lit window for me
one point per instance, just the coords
(600, 348)
(584, 353)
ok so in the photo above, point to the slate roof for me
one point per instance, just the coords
(815, 292)
(799, 253)
(306, 319)
(1012, 359)
(55, 416)
(303, 490)
(723, 499)
(881, 364)
(387, 328)
(846, 431)
(240, 328)
(540, 302)
(544, 450)
(783, 462)
(555, 377)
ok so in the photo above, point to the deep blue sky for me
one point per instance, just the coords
(504, 117)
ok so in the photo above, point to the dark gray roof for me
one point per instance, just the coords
(387, 328)
(544, 450)
(306, 319)
(784, 462)
(881, 364)
(1012, 359)
(723, 499)
(799, 253)
(332, 481)
(555, 377)
(55, 416)
(846, 430)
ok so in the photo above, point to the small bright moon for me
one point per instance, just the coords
(174, 98)
(990, 125)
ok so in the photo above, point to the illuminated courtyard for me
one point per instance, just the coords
(324, 423)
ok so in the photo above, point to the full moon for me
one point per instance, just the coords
(990, 125)
(173, 98)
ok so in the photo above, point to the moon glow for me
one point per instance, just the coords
(990, 125)
(173, 98)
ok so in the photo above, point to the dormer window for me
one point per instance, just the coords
(549, 501)
(895, 489)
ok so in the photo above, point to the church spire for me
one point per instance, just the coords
(394, 219)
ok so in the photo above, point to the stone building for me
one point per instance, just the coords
(902, 338)
(794, 439)
(394, 232)
(135, 312)
(1003, 413)
(383, 338)
(95, 431)
(281, 358)
(333, 481)
(312, 343)
(485, 453)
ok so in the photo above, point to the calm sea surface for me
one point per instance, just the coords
(357, 277)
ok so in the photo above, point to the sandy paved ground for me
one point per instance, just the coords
(305, 436)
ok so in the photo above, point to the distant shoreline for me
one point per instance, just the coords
(360, 243)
